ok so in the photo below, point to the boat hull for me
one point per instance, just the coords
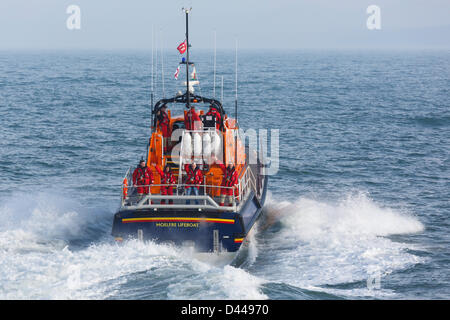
(205, 231)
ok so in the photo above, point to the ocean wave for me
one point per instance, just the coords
(47, 216)
(314, 244)
(432, 120)
(39, 262)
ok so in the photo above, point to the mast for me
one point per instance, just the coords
(187, 57)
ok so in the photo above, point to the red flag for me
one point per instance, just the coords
(182, 47)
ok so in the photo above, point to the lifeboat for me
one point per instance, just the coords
(202, 219)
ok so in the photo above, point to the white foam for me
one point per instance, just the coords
(323, 243)
(93, 273)
(354, 215)
(228, 283)
(47, 216)
(36, 262)
(320, 243)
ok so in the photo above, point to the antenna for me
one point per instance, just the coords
(156, 61)
(153, 49)
(214, 77)
(221, 92)
(236, 108)
(162, 64)
(236, 73)
(151, 95)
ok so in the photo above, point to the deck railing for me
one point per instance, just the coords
(204, 200)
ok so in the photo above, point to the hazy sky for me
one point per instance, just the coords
(111, 24)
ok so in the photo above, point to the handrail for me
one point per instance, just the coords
(208, 201)
(177, 185)
(241, 191)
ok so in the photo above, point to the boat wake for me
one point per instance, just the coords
(340, 248)
(49, 217)
(48, 251)
(53, 248)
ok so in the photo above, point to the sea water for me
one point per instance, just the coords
(357, 209)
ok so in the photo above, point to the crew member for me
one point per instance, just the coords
(164, 124)
(230, 181)
(142, 178)
(194, 178)
(192, 120)
(167, 179)
(216, 114)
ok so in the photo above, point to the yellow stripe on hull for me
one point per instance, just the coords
(178, 219)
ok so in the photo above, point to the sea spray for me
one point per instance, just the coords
(320, 243)
(49, 216)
